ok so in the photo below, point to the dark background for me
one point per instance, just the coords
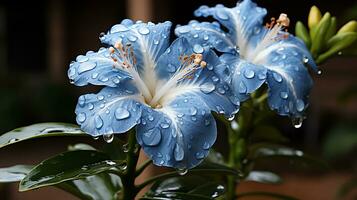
(38, 39)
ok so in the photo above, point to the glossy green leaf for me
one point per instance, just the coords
(186, 188)
(265, 194)
(97, 187)
(38, 131)
(263, 177)
(14, 173)
(67, 166)
(302, 33)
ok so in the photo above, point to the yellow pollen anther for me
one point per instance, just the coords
(203, 64)
(283, 20)
(158, 106)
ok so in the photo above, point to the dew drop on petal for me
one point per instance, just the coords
(86, 66)
(284, 95)
(221, 14)
(200, 155)
(207, 88)
(94, 75)
(206, 146)
(152, 137)
(205, 37)
(100, 97)
(121, 113)
(132, 38)
(82, 58)
(183, 29)
(164, 125)
(242, 88)
(81, 117)
(118, 28)
(178, 152)
(193, 111)
(277, 77)
(300, 105)
(171, 68)
(248, 73)
(198, 48)
(98, 122)
(144, 31)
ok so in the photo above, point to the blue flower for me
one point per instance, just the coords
(167, 92)
(254, 54)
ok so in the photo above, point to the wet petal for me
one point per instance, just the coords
(112, 110)
(96, 68)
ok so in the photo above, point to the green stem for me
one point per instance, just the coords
(231, 181)
(128, 179)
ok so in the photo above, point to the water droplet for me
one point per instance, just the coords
(234, 125)
(206, 146)
(194, 119)
(132, 38)
(195, 35)
(126, 147)
(297, 122)
(118, 28)
(221, 90)
(242, 88)
(98, 122)
(248, 73)
(198, 48)
(101, 35)
(193, 111)
(182, 171)
(183, 29)
(339, 53)
(262, 76)
(116, 80)
(82, 58)
(121, 113)
(150, 118)
(152, 137)
(221, 14)
(86, 66)
(12, 140)
(164, 125)
(277, 77)
(156, 42)
(305, 60)
(103, 78)
(95, 75)
(171, 68)
(180, 115)
(90, 106)
(178, 152)
(207, 88)
(200, 155)
(300, 105)
(207, 122)
(108, 137)
(257, 30)
(284, 95)
(71, 72)
(319, 72)
(205, 37)
(81, 101)
(144, 31)
(100, 97)
(81, 117)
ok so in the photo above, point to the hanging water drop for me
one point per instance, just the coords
(108, 137)
(182, 171)
(319, 72)
(297, 122)
(300, 105)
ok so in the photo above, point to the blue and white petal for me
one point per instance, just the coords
(289, 83)
(205, 82)
(96, 68)
(112, 110)
(244, 77)
(178, 135)
(207, 34)
(148, 41)
(242, 21)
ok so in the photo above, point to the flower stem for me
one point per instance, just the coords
(128, 179)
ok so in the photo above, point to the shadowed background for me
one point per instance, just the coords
(39, 39)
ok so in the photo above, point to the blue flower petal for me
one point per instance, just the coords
(242, 21)
(244, 76)
(112, 110)
(96, 68)
(207, 34)
(148, 41)
(205, 82)
(289, 82)
(178, 135)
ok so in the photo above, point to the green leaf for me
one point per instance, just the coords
(266, 194)
(97, 187)
(337, 43)
(186, 188)
(263, 177)
(302, 33)
(67, 166)
(14, 174)
(38, 131)
(318, 40)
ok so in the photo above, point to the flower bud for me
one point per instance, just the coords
(351, 26)
(314, 17)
